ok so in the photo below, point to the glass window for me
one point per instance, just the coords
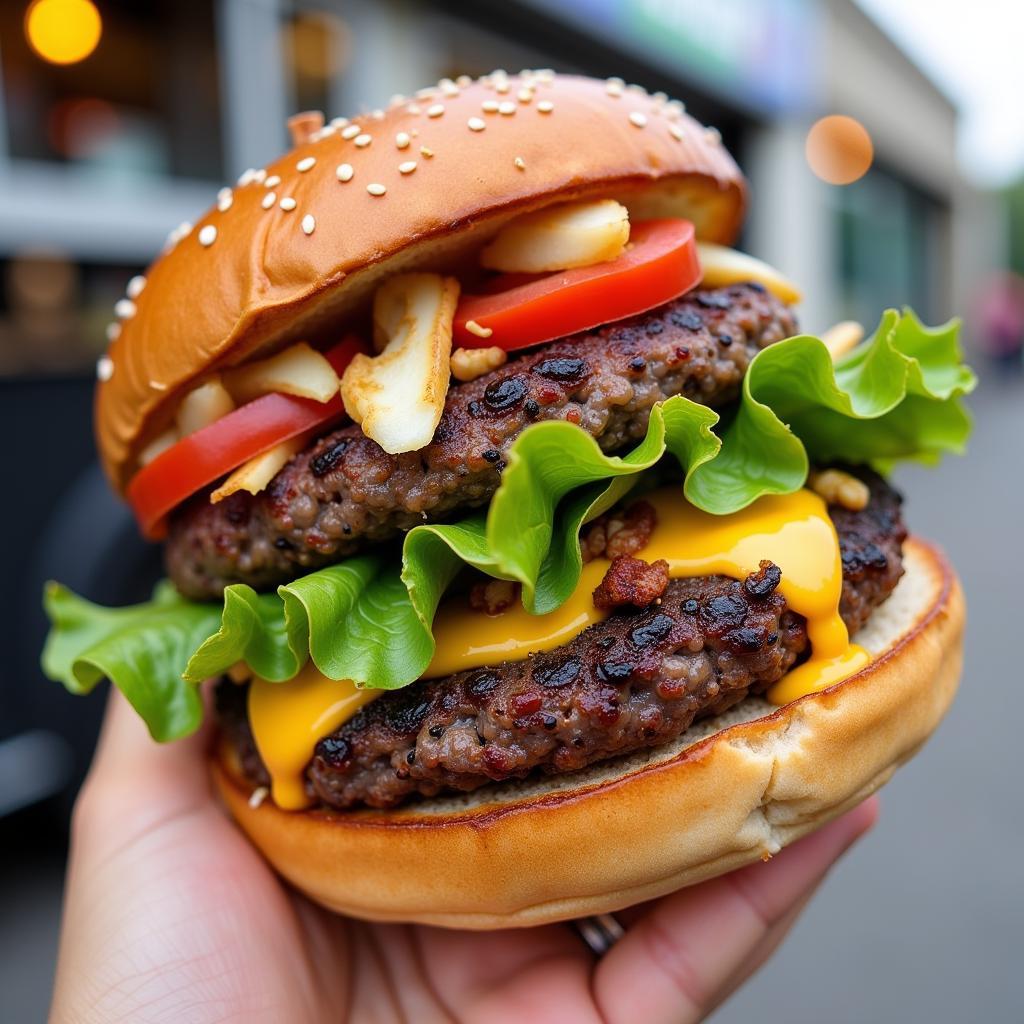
(54, 311)
(889, 247)
(145, 101)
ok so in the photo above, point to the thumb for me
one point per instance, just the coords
(126, 749)
(135, 782)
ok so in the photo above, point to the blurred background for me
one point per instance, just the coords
(118, 120)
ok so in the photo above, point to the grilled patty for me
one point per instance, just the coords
(635, 680)
(345, 491)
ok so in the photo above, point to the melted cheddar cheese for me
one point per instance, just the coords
(793, 531)
(288, 718)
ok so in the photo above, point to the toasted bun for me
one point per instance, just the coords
(263, 281)
(731, 791)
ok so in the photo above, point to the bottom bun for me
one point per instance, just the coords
(730, 791)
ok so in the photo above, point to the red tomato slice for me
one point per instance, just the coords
(660, 264)
(205, 456)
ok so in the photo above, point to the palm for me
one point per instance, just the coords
(171, 914)
(260, 952)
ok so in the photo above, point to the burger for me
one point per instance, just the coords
(542, 565)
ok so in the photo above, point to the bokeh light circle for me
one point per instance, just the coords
(63, 31)
(839, 149)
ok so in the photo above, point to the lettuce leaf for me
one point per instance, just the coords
(898, 396)
(141, 649)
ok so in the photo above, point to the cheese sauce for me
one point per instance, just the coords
(288, 718)
(793, 531)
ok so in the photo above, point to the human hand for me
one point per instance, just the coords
(170, 915)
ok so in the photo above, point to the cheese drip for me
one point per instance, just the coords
(793, 531)
(288, 718)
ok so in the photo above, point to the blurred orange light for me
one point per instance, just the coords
(839, 149)
(63, 31)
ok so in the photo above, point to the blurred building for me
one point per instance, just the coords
(100, 158)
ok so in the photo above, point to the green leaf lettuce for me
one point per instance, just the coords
(369, 618)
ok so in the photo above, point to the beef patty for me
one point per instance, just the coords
(637, 679)
(345, 491)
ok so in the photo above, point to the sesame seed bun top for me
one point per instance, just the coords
(303, 242)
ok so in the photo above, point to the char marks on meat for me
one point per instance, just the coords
(637, 679)
(345, 491)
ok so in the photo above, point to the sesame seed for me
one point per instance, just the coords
(246, 176)
(375, 189)
(659, 97)
(520, 163)
(524, 95)
(273, 181)
(328, 129)
(545, 75)
(414, 108)
(307, 163)
(407, 168)
(179, 232)
(638, 119)
(309, 224)
(425, 94)
(402, 140)
(104, 368)
(448, 87)
(476, 124)
(257, 796)
(363, 140)
(268, 200)
(545, 106)
(613, 88)
(339, 122)
(351, 131)
(260, 176)
(288, 204)
(463, 81)
(344, 172)
(676, 107)
(207, 235)
(481, 332)
(676, 132)
(490, 106)
(436, 110)
(501, 86)
(377, 115)
(426, 152)
(135, 286)
(113, 332)
(713, 135)
(224, 199)
(507, 108)
(124, 309)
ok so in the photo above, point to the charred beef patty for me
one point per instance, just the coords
(637, 679)
(345, 491)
